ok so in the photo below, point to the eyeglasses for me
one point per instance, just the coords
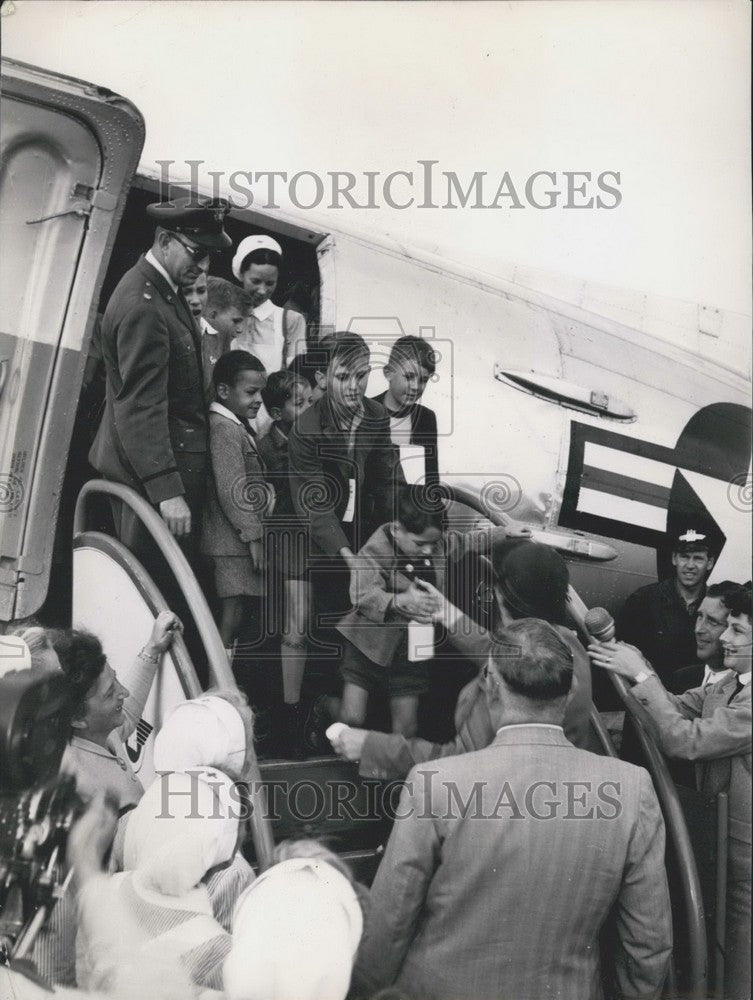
(195, 253)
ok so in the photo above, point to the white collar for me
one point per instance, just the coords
(158, 267)
(207, 328)
(744, 679)
(223, 411)
(265, 310)
(529, 725)
(713, 676)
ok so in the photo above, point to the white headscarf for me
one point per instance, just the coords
(206, 731)
(14, 654)
(185, 824)
(248, 245)
(295, 934)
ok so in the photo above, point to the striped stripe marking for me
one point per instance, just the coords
(625, 487)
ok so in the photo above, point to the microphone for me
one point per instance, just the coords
(599, 624)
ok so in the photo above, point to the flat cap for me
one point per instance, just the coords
(200, 219)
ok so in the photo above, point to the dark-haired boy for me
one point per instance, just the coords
(312, 366)
(411, 364)
(344, 473)
(387, 593)
(286, 395)
(341, 446)
(238, 497)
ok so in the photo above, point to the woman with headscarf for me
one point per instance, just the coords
(39, 643)
(184, 826)
(295, 934)
(214, 731)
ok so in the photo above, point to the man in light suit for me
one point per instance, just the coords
(711, 726)
(504, 864)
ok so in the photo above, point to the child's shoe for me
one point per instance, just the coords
(315, 738)
(290, 732)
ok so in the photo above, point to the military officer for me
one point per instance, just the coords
(153, 435)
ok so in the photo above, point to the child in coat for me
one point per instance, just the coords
(238, 497)
(286, 395)
(389, 597)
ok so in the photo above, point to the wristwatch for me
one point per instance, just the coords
(642, 676)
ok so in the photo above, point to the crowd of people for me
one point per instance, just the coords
(514, 844)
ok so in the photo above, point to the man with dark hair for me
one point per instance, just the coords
(487, 889)
(153, 435)
(710, 726)
(659, 618)
(710, 623)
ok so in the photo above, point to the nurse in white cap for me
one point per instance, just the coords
(275, 335)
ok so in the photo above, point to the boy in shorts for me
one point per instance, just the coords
(388, 597)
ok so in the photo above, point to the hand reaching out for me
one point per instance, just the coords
(619, 657)
(419, 602)
(166, 627)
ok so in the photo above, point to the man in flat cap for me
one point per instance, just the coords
(660, 619)
(153, 435)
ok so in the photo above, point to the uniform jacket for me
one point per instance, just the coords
(237, 495)
(657, 621)
(502, 869)
(712, 727)
(154, 406)
(321, 468)
(391, 755)
(423, 433)
(373, 626)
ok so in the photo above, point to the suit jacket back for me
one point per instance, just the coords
(503, 867)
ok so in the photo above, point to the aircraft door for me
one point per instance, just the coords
(68, 152)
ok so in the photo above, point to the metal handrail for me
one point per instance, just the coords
(219, 667)
(720, 923)
(463, 496)
(675, 822)
(571, 544)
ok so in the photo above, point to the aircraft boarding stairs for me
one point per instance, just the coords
(115, 598)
